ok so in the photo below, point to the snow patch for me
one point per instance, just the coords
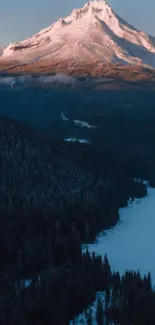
(80, 123)
(84, 124)
(63, 117)
(85, 141)
(81, 318)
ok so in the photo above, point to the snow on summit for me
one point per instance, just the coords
(92, 33)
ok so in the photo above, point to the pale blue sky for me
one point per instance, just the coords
(20, 19)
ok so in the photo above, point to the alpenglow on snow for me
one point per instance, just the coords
(90, 34)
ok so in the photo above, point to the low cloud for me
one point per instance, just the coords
(18, 82)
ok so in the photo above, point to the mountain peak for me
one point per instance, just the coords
(93, 6)
(92, 33)
(100, 4)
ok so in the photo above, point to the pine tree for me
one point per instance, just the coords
(107, 298)
(149, 281)
(99, 312)
(107, 270)
(89, 316)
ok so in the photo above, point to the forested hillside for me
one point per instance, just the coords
(52, 200)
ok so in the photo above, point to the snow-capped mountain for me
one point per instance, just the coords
(90, 34)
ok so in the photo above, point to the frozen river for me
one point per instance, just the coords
(131, 243)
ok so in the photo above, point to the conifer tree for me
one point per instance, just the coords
(99, 312)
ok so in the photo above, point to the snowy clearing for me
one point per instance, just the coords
(130, 244)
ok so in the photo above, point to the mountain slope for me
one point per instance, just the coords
(92, 33)
(1, 51)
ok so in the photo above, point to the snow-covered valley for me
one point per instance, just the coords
(130, 244)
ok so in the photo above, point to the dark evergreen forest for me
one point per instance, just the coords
(56, 196)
